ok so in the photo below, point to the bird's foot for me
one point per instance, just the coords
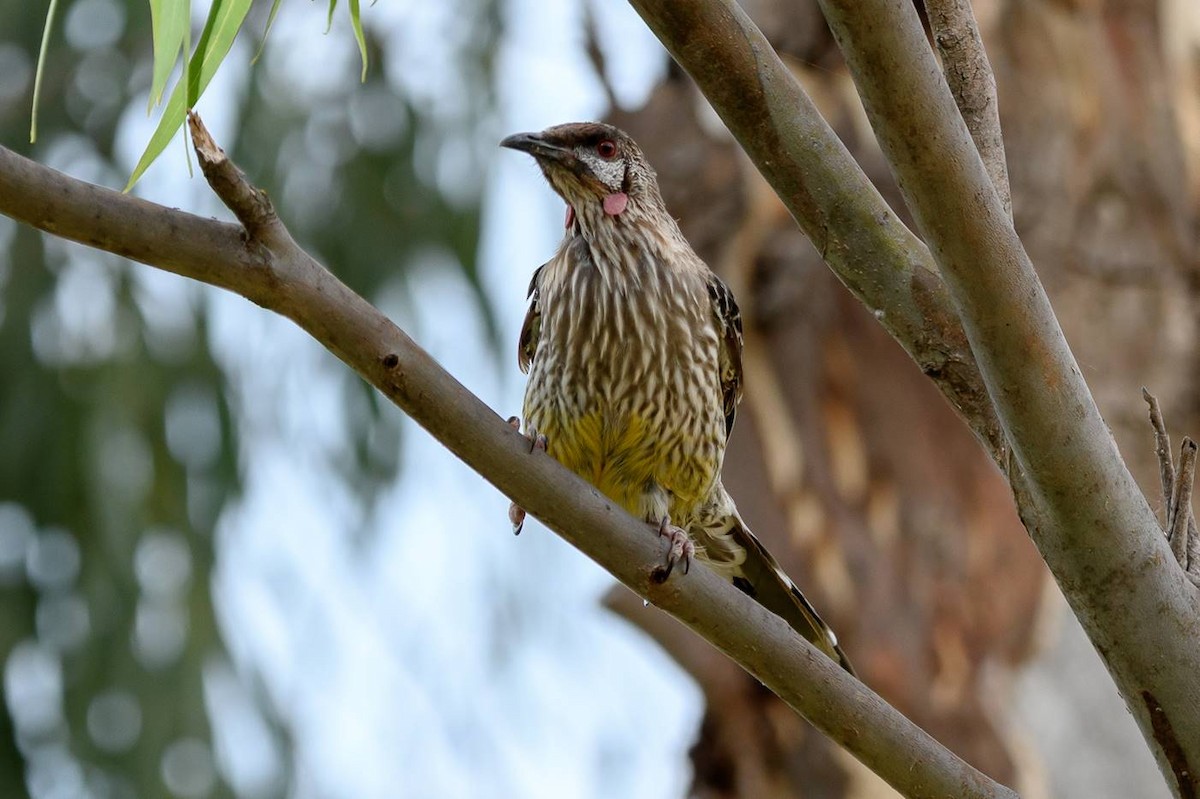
(516, 517)
(680, 550)
(516, 514)
(536, 439)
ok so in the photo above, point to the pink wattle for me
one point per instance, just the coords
(570, 216)
(615, 203)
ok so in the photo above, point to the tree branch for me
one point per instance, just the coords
(865, 244)
(1091, 522)
(270, 269)
(969, 76)
(1083, 509)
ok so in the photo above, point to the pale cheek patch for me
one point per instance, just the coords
(610, 173)
(615, 203)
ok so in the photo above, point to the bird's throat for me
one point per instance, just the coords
(614, 205)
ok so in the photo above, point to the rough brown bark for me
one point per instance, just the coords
(872, 492)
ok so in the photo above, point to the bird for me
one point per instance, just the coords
(633, 349)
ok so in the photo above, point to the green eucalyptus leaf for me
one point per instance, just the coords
(224, 21)
(169, 22)
(359, 36)
(267, 31)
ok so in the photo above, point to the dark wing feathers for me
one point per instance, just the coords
(765, 580)
(532, 326)
(729, 325)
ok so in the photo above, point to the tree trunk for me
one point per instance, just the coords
(848, 462)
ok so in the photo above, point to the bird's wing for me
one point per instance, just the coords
(531, 328)
(761, 576)
(729, 326)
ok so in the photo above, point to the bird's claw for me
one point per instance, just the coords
(536, 439)
(680, 550)
(516, 514)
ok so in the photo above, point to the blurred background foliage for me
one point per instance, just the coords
(119, 445)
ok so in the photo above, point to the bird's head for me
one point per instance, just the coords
(594, 167)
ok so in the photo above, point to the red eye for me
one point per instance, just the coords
(606, 149)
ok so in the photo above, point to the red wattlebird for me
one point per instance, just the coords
(633, 348)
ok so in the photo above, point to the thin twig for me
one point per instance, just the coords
(1177, 489)
(1181, 503)
(969, 74)
(1162, 448)
(249, 204)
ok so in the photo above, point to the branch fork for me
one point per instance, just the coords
(970, 291)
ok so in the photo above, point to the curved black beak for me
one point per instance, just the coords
(538, 147)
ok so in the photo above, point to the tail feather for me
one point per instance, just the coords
(761, 576)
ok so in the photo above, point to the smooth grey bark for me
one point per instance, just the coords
(1092, 523)
(1088, 517)
(969, 76)
(859, 236)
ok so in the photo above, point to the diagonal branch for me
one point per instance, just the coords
(969, 75)
(865, 244)
(1015, 381)
(274, 272)
(1092, 525)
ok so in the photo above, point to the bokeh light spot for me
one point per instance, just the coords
(53, 560)
(163, 564)
(92, 24)
(187, 768)
(193, 426)
(17, 532)
(114, 720)
(33, 689)
(159, 634)
(17, 70)
(126, 463)
(62, 621)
